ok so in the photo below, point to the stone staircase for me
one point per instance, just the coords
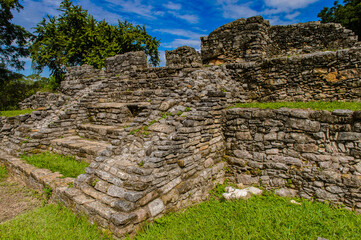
(103, 130)
(80, 148)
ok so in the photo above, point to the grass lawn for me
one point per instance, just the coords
(14, 113)
(68, 166)
(261, 217)
(48, 223)
(319, 105)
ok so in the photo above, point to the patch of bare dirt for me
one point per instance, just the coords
(16, 199)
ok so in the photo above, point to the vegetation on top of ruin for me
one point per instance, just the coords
(66, 165)
(318, 105)
(13, 113)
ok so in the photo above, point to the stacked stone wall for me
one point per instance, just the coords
(238, 41)
(171, 154)
(183, 57)
(253, 39)
(315, 153)
(44, 100)
(326, 76)
(309, 37)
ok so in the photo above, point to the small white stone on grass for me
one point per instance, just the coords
(230, 189)
(242, 194)
(254, 190)
(228, 196)
(294, 202)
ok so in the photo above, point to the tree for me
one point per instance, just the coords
(76, 38)
(349, 15)
(18, 88)
(13, 41)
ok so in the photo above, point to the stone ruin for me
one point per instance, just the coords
(158, 139)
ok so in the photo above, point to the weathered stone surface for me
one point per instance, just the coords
(254, 190)
(156, 207)
(123, 205)
(286, 192)
(349, 136)
(306, 125)
(122, 219)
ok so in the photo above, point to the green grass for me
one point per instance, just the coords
(14, 113)
(319, 105)
(3, 172)
(261, 217)
(68, 166)
(48, 223)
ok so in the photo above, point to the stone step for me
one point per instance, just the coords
(114, 113)
(101, 132)
(80, 148)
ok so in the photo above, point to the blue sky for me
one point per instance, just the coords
(177, 23)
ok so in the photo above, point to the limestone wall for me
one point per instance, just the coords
(309, 37)
(183, 57)
(326, 76)
(43, 100)
(253, 39)
(170, 155)
(238, 41)
(316, 153)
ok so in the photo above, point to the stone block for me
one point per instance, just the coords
(286, 192)
(156, 207)
(122, 219)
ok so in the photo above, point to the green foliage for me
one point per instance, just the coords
(3, 172)
(17, 88)
(47, 191)
(260, 217)
(319, 105)
(14, 113)
(76, 38)
(48, 223)
(348, 14)
(94, 182)
(13, 38)
(68, 166)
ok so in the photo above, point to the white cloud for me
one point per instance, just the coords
(292, 16)
(163, 61)
(276, 20)
(188, 17)
(181, 32)
(288, 5)
(183, 42)
(34, 11)
(172, 6)
(137, 7)
(233, 9)
(98, 12)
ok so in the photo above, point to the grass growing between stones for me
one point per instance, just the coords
(261, 217)
(48, 223)
(14, 113)
(68, 166)
(318, 105)
(3, 172)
